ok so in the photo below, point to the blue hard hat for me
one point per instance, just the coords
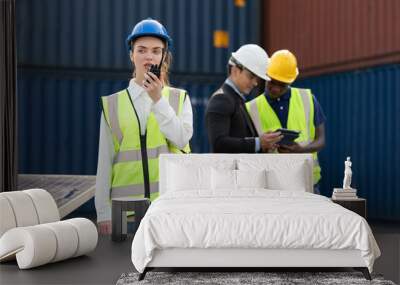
(149, 27)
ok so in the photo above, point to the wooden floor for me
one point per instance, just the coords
(110, 260)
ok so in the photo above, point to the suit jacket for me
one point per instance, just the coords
(229, 126)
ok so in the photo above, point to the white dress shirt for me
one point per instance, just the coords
(177, 129)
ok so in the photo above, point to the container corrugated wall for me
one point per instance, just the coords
(92, 33)
(334, 35)
(58, 135)
(59, 123)
(59, 120)
(363, 121)
(72, 52)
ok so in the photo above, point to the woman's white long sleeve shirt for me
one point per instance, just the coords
(177, 129)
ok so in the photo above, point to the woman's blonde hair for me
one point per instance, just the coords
(165, 66)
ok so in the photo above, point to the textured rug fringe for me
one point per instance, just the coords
(244, 278)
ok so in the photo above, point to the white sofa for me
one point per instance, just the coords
(31, 231)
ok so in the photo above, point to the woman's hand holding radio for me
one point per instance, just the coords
(153, 86)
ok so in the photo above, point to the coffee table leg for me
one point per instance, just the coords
(116, 219)
(124, 223)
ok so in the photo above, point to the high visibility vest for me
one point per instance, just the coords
(300, 118)
(135, 165)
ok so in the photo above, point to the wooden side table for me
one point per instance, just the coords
(118, 216)
(357, 205)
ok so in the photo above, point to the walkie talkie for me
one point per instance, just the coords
(156, 69)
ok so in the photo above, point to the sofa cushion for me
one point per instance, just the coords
(6, 215)
(45, 206)
(27, 208)
(40, 244)
(24, 211)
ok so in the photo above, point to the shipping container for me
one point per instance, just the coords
(335, 35)
(58, 128)
(91, 33)
(363, 122)
(59, 119)
(72, 52)
(58, 123)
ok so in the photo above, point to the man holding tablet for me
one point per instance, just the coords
(294, 111)
(229, 126)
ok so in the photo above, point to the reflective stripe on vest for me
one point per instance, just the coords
(132, 190)
(300, 118)
(128, 169)
(134, 155)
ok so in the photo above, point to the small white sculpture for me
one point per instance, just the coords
(347, 174)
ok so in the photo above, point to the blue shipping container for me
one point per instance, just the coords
(58, 128)
(363, 121)
(72, 52)
(92, 33)
(59, 119)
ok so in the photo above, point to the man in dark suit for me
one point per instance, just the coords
(229, 126)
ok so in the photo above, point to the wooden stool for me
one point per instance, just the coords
(119, 208)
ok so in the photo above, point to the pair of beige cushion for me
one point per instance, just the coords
(31, 232)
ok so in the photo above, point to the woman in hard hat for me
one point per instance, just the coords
(229, 126)
(140, 122)
(293, 108)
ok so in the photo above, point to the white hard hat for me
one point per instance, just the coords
(253, 58)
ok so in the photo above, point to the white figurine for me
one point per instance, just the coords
(347, 174)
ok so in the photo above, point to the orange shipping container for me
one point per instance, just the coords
(335, 35)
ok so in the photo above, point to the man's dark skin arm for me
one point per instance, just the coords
(315, 146)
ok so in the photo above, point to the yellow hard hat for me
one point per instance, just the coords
(283, 66)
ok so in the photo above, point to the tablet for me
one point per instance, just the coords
(288, 136)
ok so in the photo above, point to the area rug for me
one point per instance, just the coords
(243, 278)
